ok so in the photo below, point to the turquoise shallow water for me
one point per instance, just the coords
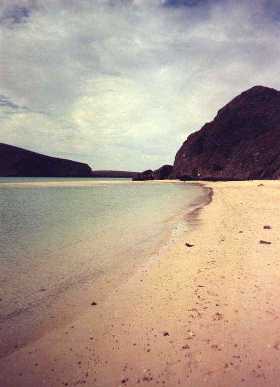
(58, 235)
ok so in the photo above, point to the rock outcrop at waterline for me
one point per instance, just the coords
(163, 172)
(145, 175)
(18, 162)
(242, 142)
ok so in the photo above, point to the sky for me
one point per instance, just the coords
(120, 84)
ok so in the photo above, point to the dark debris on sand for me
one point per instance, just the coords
(189, 244)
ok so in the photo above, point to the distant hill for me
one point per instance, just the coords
(113, 174)
(18, 162)
(242, 142)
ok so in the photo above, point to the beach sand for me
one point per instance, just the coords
(206, 314)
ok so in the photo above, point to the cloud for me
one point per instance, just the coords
(186, 3)
(14, 14)
(5, 102)
(120, 84)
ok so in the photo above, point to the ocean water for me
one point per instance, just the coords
(58, 238)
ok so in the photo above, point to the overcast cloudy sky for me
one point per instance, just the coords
(121, 83)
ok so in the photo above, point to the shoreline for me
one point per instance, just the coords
(53, 312)
(205, 314)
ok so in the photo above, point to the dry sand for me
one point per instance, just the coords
(206, 315)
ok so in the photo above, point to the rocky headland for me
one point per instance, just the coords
(19, 162)
(241, 143)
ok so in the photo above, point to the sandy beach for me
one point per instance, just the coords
(201, 314)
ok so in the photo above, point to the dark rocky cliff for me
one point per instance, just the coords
(20, 162)
(242, 142)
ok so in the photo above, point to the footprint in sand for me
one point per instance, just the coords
(277, 346)
(218, 316)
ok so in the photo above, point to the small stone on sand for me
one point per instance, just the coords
(265, 242)
(189, 244)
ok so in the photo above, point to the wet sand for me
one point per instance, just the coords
(201, 314)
